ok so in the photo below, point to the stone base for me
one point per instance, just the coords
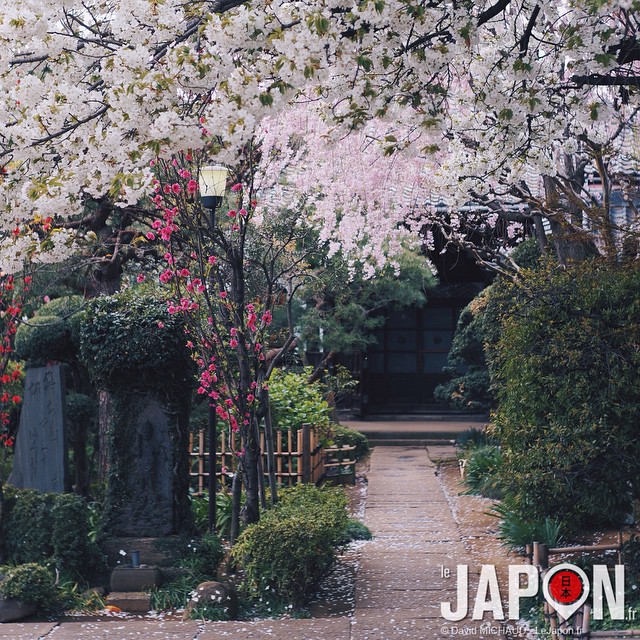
(12, 609)
(132, 602)
(139, 579)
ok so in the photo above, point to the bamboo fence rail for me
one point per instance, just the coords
(298, 457)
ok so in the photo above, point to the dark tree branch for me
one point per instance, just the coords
(493, 11)
(599, 80)
(71, 127)
(526, 36)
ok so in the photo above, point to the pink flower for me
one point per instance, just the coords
(243, 212)
(250, 397)
(223, 294)
(176, 188)
(140, 278)
(192, 186)
(234, 331)
(160, 325)
(184, 273)
(151, 235)
(212, 259)
(232, 213)
(267, 317)
(233, 343)
(236, 187)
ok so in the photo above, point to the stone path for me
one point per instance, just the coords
(399, 583)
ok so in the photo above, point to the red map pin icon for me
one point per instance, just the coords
(565, 588)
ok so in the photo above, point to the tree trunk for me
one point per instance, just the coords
(251, 511)
(236, 498)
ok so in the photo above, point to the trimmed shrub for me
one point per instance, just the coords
(129, 341)
(355, 530)
(566, 369)
(30, 584)
(293, 545)
(48, 528)
(345, 437)
(53, 333)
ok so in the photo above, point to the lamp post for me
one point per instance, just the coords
(212, 181)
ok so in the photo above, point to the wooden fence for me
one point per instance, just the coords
(579, 625)
(298, 458)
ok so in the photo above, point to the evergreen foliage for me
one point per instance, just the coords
(566, 373)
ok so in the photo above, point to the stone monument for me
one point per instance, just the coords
(40, 460)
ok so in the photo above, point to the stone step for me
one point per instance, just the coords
(130, 601)
(409, 442)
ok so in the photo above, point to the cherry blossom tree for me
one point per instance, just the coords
(93, 91)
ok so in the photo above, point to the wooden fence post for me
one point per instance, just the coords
(535, 558)
(306, 453)
(544, 556)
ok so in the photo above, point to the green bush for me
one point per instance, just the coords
(53, 333)
(293, 545)
(566, 369)
(355, 530)
(48, 527)
(345, 437)
(30, 584)
(129, 341)
(295, 402)
(477, 331)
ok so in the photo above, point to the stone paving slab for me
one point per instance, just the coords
(126, 630)
(25, 630)
(399, 585)
(318, 629)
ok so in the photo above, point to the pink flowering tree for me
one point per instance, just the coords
(225, 277)
(13, 293)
